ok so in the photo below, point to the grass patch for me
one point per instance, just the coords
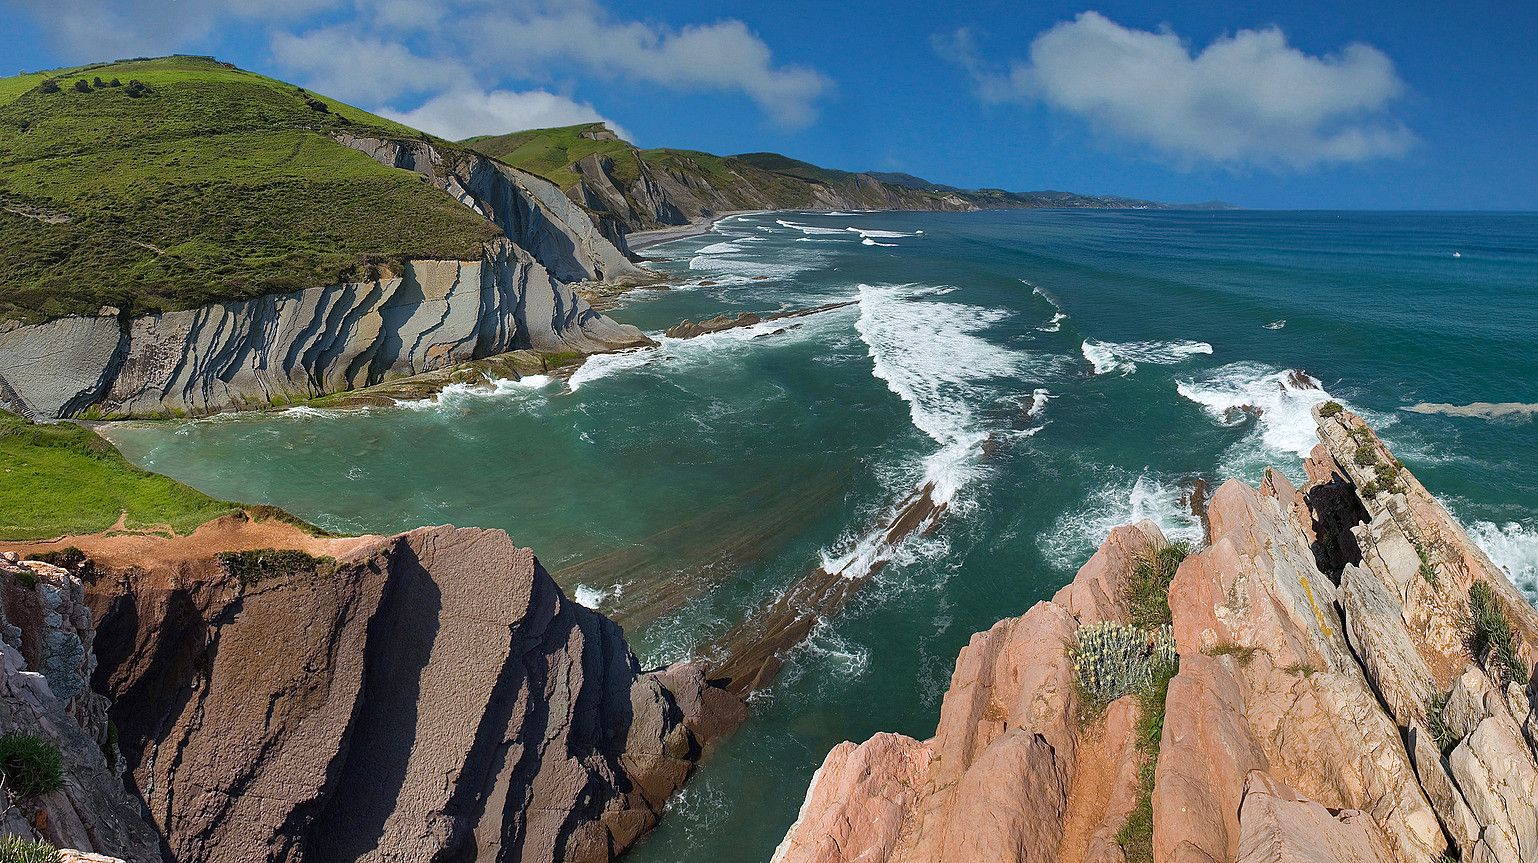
(1136, 834)
(32, 766)
(60, 479)
(1148, 589)
(14, 849)
(1436, 725)
(1490, 636)
(207, 183)
(1427, 570)
(253, 567)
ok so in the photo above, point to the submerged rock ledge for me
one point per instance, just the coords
(1334, 701)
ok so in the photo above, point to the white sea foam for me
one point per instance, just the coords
(1123, 357)
(720, 248)
(869, 242)
(1038, 402)
(588, 596)
(307, 412)
(1053, 325)
(1514, 548)
(1123, 500)
(808, 229)
(866, 234)
(1239, 392)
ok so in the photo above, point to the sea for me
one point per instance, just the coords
(1045, 374)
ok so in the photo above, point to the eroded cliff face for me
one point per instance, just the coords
(1333, 702)
(427, 696)
(288, 347)
(46, 660)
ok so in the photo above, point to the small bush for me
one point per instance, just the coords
(1370, 489)
(318, 106)
(1331, 409)
(14, 849)
(1427, 570)
(1436, 725)
(136, 88)
(72, 559)
(49, 85)
(1388, 478)
(31, 765)
(82, 86)
(97, 83)
(1148, 589)
(26, 579)
(1366, 455)
(1490, 638)
(256, 566)
(1114, 659)
(114, 83)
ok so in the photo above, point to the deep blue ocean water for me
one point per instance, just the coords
(1050, 373)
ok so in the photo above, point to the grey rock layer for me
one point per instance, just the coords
(286, 347)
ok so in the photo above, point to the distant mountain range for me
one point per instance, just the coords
(631, 189)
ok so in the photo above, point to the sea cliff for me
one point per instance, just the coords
(283, 348)
(1352, 684)
(431, 695)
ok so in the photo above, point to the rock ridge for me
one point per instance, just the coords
(1331, 702)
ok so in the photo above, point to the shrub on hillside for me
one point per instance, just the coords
(1490, 637)
(1331, 409)
(258, 565)
(31, 765)
(82, 86)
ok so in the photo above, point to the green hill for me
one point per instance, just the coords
(162, 184)
(646, 189)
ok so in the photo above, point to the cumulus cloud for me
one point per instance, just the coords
(1248, 98)
(462, 113)
(724, 55)
(348, 65)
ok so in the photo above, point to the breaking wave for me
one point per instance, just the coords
(1123, 357)
(1514, 548)
(1124, 500)
(1278, 403)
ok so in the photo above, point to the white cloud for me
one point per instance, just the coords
(462, 113)
(722, 56)
(345, 64)
(90, 30)
(1248, 98)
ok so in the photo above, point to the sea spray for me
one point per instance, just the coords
(1108, 357)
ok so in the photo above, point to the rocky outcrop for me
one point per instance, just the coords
(45, 663)
(281, 348)
(427, 696)
(1330, 702)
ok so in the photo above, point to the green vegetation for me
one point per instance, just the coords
(1436, 723)
(1427, 570)
(63, 479)
(1148, 589)
(31, 765)
(550, 153)
(254, 567)
(1114, 659)
(1136, 834)
(1330, 409)
(198, 181)
(1366, 455)
(1243, 654)
(1490, 637)
(14, 849)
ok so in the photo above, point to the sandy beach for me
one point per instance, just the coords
(642, 239)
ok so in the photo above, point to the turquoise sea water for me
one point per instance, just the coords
(1052, 373)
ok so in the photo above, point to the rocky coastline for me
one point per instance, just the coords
(1353, 684)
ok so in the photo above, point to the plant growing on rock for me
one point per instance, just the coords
(1490, 638)
(1115, 659)
(257, 565)
(1366, 455)
(15, 849)
(1436, 724)
(1148, 587)
(31, 765)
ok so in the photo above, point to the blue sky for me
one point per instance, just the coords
(1298, 105)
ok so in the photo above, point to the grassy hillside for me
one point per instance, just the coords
(191, 181)
(550, 153)
(64, 479)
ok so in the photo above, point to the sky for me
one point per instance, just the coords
(1301, 105)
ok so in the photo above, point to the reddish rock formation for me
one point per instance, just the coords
(431, 695)
(1327, 705)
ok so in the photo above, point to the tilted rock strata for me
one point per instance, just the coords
(1317, 632)
(431, 695)
(289, 347)
(45, 659)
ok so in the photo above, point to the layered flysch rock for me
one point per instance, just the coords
(286, 347)
(46, 662)
(428, 696)
(1333, 702)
